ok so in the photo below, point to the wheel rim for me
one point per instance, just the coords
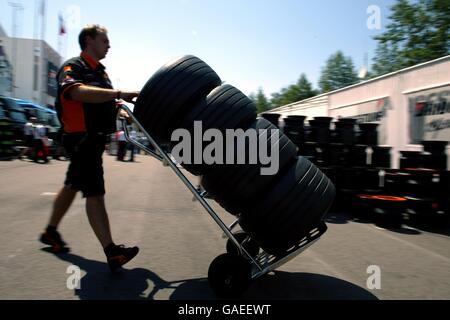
(229, 275)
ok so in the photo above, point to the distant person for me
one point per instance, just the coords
(131, 146)
(40, 142)
(121, 145)
(86, 106)
(28, 130)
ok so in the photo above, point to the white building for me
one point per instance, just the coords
(5, 69)
(34, 66)
(411, 105)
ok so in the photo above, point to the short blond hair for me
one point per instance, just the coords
(90, 30)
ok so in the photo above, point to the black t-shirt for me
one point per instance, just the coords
(76, 116)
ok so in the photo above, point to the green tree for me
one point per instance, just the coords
(338, 72)
(295, 92)
(387, 59)
(305, 88)
(261, 102)
(289, 94)
(440, 21)
(418, 32)
(276, 99)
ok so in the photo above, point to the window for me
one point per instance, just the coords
(17, 116)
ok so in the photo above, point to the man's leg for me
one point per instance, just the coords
(27, 148)
(62, 203)
(131, 147)
(24, 151)
(117, 256)
(98, 219)
(120, 151)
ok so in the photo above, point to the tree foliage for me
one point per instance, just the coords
(296, 92)
(417, 32)
(338, 72)
(262, 104)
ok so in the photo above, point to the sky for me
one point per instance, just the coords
(249, 43)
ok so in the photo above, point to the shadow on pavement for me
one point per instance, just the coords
(142, 284)
(407, 228)
(337, 218)
(401, 230)
(443, 229)
(125, 284)
(306, 286)
(281, 285)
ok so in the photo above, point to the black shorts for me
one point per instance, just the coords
(85, 172)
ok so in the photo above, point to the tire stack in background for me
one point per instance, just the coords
(423, 180)
(295, 130)
(273, 118)
(277, 211)
(7, 144)
(348, 152)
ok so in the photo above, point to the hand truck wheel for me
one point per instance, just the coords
(229, 275)
(244, 240)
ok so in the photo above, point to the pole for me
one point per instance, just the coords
(36, 20)
(15, 8)
(60, 40)
(36, 50)
(43, 77)
(44, 20)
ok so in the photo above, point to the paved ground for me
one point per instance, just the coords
(149, 206)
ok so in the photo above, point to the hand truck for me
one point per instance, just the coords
(229, 274)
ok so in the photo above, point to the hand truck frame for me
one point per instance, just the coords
(263, 262)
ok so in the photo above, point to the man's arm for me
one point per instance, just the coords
(91, 94)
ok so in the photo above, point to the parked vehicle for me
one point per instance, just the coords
(17, 117)
(45, 116)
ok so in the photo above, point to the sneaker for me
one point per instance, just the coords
(54, 240)
(120, 255)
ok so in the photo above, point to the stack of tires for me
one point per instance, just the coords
(6, 140)
(276, 210)
(435, 156)
(273, 118)
(294, 129)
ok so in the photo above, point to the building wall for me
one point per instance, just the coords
(393, 101)
(312, 107)
(50, 55)
(5, 73)
(2, 32)
(397, 124)
(23, 66)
